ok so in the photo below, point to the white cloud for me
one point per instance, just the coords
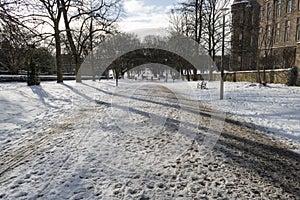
(137, 7)
(169, 8)
(150, 31)
(142, 16)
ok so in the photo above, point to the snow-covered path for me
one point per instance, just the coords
(145, 141)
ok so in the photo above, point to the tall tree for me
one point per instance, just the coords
(15, 36)
(13, 48)
(113, 49)
(39, 17)
(202, 21)
(50, 13)
(87, 12)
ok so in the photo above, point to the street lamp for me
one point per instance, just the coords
(222, 58)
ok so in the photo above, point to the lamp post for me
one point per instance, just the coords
(166, 80)
(222, 58)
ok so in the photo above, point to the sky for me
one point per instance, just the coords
(146, 16)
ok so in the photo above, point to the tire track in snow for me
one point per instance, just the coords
(18, 155)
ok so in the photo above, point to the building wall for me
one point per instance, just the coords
(282, 76)
(275, 20)
(245, 29)
(283, 52)
(297, 63)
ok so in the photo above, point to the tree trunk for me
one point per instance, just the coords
(91, 49)
(200, 22)
(71, 41)
(117, 78)
(58, 54)
(197, 20)
(258, 79)
(188, 75)
(78, 72)
(195, 78)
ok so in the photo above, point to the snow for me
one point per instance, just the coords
(275, 108)
(267, 70)
(72, 141)
(25, 107)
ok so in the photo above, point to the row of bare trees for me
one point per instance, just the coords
(200, 20)
(124, 52)
(71, 26)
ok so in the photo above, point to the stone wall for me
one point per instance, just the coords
(23, 78)
(298, 78)
(280, 76)
(216, 76)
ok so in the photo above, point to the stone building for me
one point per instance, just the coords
(245, 30)
(267, 31)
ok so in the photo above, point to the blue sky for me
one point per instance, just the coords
(145, 14)
(159, 2)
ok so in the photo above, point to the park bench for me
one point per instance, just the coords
(202, 85)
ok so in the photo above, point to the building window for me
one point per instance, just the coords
(240, 61)
(268, 28)
(240, 36)
(289, 6)
(298, 4)
(260, 35)
(287, 31)
(298, 29)
(278, 8)
(250, 62)
(261, 15)
(241, 18)
(277, 33)
(269, 11)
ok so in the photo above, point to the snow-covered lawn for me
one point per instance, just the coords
(63, 140)
(275, 108)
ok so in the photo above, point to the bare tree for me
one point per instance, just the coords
(6, 17)
(269, 35)
(201, 20)
(187, 19)
(113, 49)
(266, 41)
(177, 23)
(16, 37)
(105, 13)
(49, 14)
(266, 52)
(38, 17)
(212, 26)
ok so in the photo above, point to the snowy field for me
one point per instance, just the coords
(93, 140)
(275, 108)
